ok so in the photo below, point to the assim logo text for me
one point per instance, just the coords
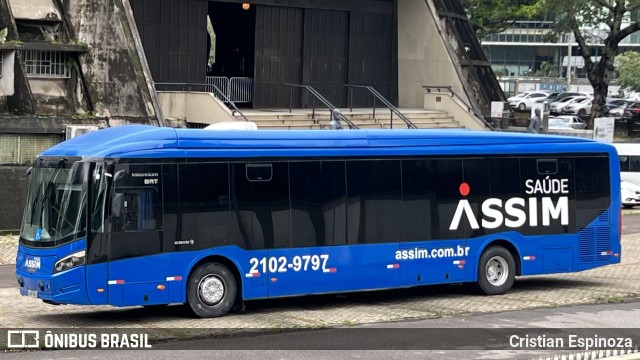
(518, 211)
(32, 263)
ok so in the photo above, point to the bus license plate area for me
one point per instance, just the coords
(32, 293)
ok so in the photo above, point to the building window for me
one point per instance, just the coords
(46, 64)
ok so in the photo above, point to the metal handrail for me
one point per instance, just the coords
(385, 102)
(318, 96)
(221, 82)
(206, 86)
(470, 109)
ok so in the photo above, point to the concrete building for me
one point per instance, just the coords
(521, 52)
(108, 63)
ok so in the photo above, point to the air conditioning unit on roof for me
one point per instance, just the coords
(77, 130)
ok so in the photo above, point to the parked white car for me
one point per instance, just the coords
(573, 121)
(581, 107)
(525, 101)
(556, 124)
(630, 194)
(517, 96)
(556, 106)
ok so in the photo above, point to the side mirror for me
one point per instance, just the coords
(116, 205)
(119, 174)
(29, 170)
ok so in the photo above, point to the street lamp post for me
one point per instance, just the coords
(569, 58)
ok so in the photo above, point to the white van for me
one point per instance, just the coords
(629, 155)
(630, 194)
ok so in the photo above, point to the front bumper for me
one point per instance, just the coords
(35, 276)
(67, 287)
(630, 201)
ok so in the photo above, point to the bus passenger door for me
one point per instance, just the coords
(97, 271)
(137, 268)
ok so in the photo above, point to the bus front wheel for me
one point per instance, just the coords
(211, 290)
(496, 271)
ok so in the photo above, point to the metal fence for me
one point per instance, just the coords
(237, 89)
(219, 82)
(241, 89)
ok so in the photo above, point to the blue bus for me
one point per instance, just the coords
(141, 215)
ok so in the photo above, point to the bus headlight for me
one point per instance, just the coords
(68, 262)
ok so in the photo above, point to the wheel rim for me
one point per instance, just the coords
(522, 106)
(497, 271)
(211, 289)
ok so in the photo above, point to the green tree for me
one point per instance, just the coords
(580, 17)
(547, 69)
(494, 16)
(628, 67)
(501, 72)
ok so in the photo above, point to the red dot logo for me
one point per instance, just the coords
(464, 189)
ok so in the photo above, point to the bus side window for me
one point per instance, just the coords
(547, 166)
(137, 198)
(137, 210)
(259, 172)
(624, 163)
(634, 164)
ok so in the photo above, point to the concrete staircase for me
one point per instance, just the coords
(302, 119)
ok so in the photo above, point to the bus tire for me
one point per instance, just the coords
(211, 290)
(496, 271)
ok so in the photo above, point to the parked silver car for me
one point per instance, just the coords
(618, 112)
(556, 106)
(580, 106)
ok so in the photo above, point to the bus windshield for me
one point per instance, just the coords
(55, 209)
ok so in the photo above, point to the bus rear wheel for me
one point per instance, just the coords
(496, 271)
(211, 291)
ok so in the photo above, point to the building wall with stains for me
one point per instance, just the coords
(111, 67)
